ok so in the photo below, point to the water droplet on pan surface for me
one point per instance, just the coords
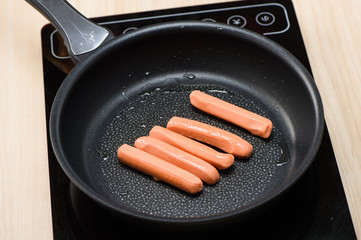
(285, 155)
(189, 76)
(103, 155)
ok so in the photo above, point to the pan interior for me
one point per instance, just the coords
(239, 185)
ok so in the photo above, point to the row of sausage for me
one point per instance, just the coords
(176, 154)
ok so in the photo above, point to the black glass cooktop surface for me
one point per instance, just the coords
(315, 208)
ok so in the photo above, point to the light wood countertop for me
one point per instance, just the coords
(332, 34)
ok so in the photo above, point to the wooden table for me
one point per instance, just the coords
(332, 33)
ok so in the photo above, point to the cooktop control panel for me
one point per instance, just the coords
(264, 18)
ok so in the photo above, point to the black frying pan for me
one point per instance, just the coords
(122, 88)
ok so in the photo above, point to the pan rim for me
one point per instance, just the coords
(182, 26)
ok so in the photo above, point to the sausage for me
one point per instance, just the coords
(214, 136)
(178, 157)
(254, 123)
(159, 169)
(219, 160)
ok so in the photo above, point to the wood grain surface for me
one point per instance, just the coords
(332, 33)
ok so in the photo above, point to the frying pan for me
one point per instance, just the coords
(123, 86)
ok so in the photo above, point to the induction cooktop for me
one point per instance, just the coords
(315, 208)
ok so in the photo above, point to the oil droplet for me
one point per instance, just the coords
(277, 107)
(124, 95)
(189, 76)
(285, 155)
(104, 155)
(217, 91)
(145, 95)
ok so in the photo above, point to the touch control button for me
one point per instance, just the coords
(237, 20)
(265, 18)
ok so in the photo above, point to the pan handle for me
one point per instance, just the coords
(81, 36)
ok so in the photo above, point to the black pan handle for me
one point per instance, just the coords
(81, 36)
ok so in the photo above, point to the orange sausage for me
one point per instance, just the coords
(178, 157)
(254, 123)
(214, 136)
(159, 169)
(219, 160)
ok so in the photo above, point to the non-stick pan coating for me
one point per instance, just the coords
(144, 78)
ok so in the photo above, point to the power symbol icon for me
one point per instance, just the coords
(265, 18)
